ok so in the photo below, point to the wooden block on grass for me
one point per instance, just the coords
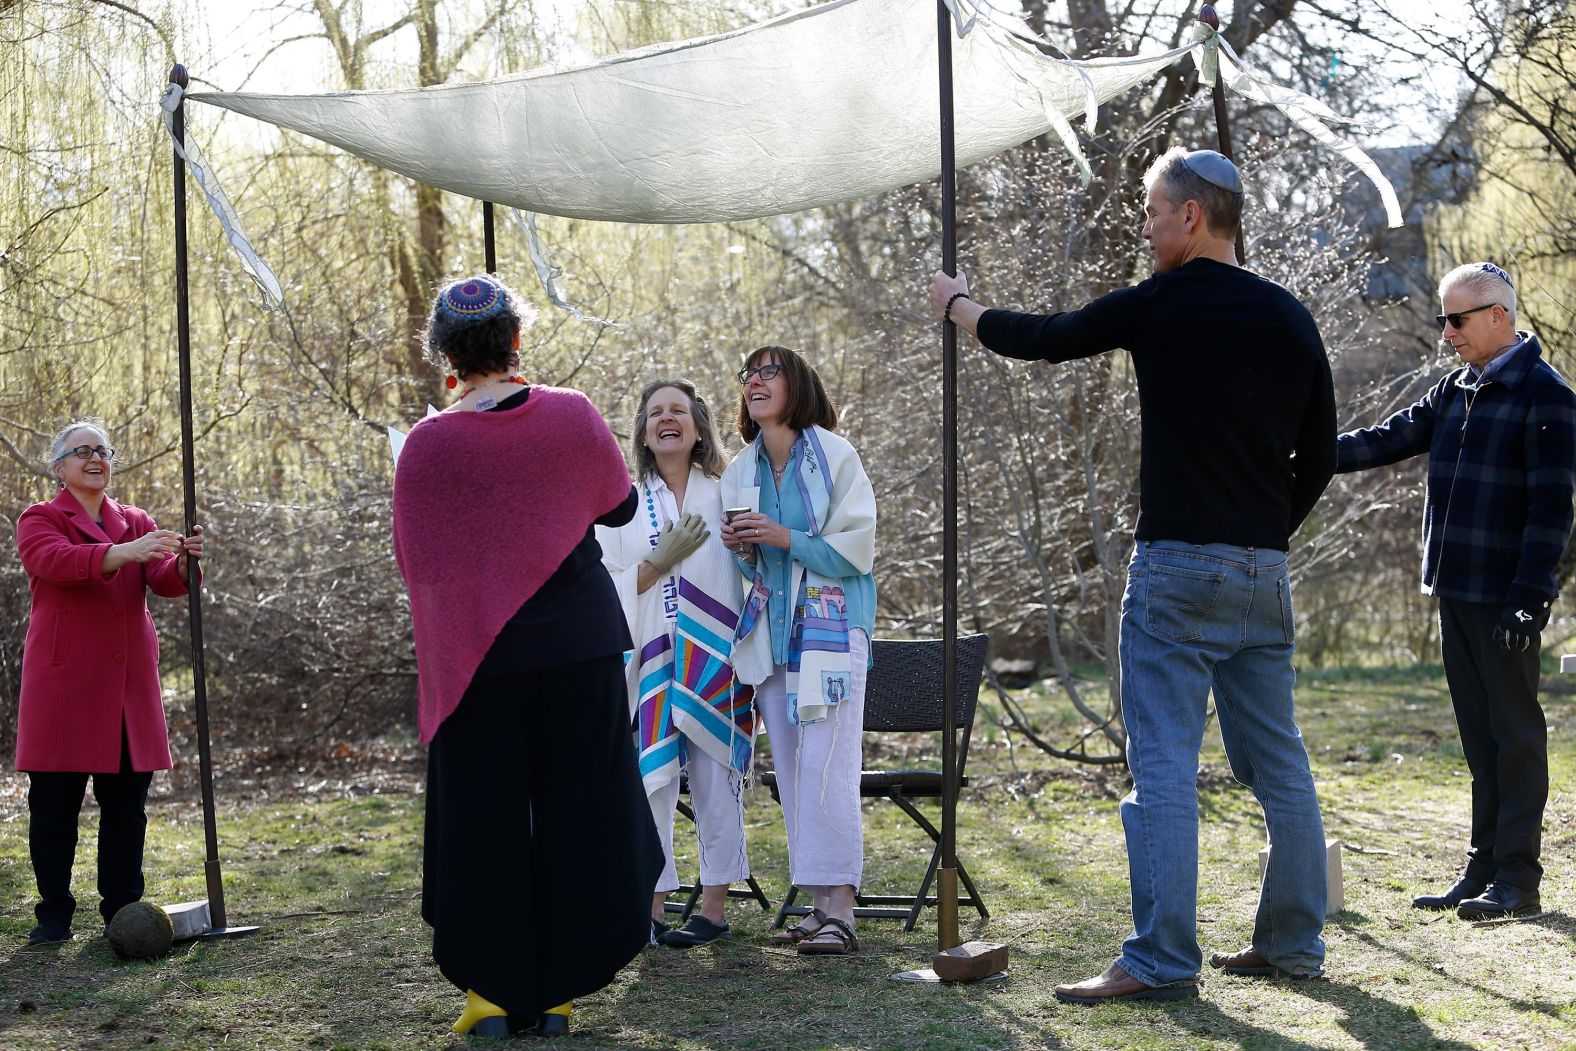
(970, 962)
(190, 919)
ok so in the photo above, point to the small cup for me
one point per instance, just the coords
(731, 513)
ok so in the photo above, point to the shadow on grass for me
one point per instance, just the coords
(1543, 1007)
(1561, 922)
(830, 1001)
(84, 974)
(1212, 1024)
(1374, 1021)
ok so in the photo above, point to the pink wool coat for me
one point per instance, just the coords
(91, 659)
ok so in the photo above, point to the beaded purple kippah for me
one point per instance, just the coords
(473, 298)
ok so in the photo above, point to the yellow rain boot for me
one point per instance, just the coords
(555, 1021)
(482, 1017)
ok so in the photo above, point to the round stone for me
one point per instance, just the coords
(141, 931)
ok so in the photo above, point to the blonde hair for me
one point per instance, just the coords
(707, 454)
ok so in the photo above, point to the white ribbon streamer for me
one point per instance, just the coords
(546, 272)
(1311, 115)
(219, 201)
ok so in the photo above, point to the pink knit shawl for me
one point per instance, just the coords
(486, 506)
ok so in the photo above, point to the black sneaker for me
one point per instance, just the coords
(697, 930)
(49, 934)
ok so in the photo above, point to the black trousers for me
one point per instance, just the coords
(54, 805)
(540, 852)
(1505, 740)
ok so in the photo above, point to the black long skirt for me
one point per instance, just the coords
(540, 851)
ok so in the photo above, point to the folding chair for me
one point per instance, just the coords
(691, 891)
(903, 695)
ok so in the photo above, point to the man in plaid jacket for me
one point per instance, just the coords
(1500, 434)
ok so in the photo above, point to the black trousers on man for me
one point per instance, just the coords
(54, 804)
(1505, 739)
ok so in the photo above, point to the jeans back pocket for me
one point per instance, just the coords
(1178, 601)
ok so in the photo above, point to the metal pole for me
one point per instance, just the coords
(218, 926)
(947, 876)
(1208, 16)
(488, 247)
(210, 829)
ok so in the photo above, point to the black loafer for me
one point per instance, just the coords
(1500, 902)
(1464, 889)
(697, 930)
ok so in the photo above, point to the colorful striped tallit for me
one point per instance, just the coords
(683, 693)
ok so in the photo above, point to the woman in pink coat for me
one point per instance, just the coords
(90, 701)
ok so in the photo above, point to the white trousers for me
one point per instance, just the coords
(717, 797)
(818, 766)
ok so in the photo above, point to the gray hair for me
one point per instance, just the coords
(1487, 282)
(58, 450)
(1222, 208)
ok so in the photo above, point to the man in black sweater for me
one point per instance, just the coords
(1238, 442)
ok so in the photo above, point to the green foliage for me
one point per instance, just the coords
(1520, 129)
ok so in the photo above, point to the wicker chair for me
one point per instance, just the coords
(903, 695)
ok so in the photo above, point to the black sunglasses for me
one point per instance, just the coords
(1455, 319)
(765, 372)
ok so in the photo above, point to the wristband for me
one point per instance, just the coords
(946, 313)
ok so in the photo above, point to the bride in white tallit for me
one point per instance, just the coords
(681, 595)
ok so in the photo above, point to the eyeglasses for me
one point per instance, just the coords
(1455, 319)
(84, 452)
(765, 372)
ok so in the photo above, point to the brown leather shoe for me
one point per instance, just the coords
(1117, 984)
(1247, 961)
(1250, 963)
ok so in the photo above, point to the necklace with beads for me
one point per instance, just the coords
(651, 512)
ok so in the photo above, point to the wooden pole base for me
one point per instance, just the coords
(947, 908)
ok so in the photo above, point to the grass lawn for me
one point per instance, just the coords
(328, 866)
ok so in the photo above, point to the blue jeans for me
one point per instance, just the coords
(1198, 617)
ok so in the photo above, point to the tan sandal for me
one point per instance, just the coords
(840, 940)
(799, 931)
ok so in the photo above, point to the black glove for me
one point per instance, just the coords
(1518, 627)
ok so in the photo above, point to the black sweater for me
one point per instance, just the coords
(1238, 428)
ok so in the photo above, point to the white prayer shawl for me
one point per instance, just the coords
(846, 520)
(679, 677)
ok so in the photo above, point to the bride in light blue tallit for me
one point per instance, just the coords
(681, 596)
(807, 547)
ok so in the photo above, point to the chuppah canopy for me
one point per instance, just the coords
(834, 102)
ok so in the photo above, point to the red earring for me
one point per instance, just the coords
(450, 382)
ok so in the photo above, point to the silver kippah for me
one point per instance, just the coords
(1215, 169)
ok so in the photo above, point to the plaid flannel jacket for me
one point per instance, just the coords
(1501, 475)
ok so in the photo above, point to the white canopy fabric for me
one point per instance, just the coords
(834, 102)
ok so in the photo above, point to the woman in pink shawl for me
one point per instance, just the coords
(534, 798)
